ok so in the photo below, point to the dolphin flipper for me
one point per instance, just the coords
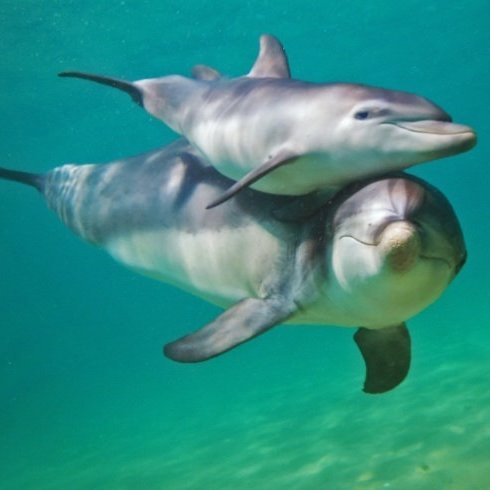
(243, 321)
(386, 353)
(282, 158)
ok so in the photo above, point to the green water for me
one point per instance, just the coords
(87, 400)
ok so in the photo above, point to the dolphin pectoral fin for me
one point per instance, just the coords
(282, 158)
(130, 88)
(243, 321)
(272, 61)
(386, 353)
(204, 72)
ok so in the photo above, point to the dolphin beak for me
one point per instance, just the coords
(458, 137)
(435, 127)
(400, 243)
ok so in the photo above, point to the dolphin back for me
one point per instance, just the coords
(165, 188)
(100, 201)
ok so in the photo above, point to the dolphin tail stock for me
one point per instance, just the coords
(130, 88)
(31, 179)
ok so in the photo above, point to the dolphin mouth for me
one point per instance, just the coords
(422, 256)
(435, 127)
(442, 260)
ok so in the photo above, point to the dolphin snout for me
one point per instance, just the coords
(401, 245)
(449, 137)
(435, 127)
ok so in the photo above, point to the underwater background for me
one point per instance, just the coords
(87, 401)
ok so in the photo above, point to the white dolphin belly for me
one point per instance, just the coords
(222, 267)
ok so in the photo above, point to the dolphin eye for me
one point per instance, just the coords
(361, 115)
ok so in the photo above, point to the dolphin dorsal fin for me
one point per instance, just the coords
(272, 61)
(204, 72)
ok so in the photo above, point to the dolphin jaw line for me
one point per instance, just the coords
(432, 126)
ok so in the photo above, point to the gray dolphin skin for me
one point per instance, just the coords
(285, 136)
(374, 255)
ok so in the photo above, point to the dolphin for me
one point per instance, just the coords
(374, 255)
(286, 136)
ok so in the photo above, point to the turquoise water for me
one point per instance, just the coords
(88, 401)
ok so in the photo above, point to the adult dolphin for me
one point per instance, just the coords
(290, 137)
(375, 255)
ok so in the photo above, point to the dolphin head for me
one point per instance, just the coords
(396, 246)
(388, 130)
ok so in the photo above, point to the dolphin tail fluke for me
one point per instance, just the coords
(387, 353)
(130, 88)
(34, 180)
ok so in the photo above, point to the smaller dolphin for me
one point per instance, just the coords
(285, 136)
(378, 253)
